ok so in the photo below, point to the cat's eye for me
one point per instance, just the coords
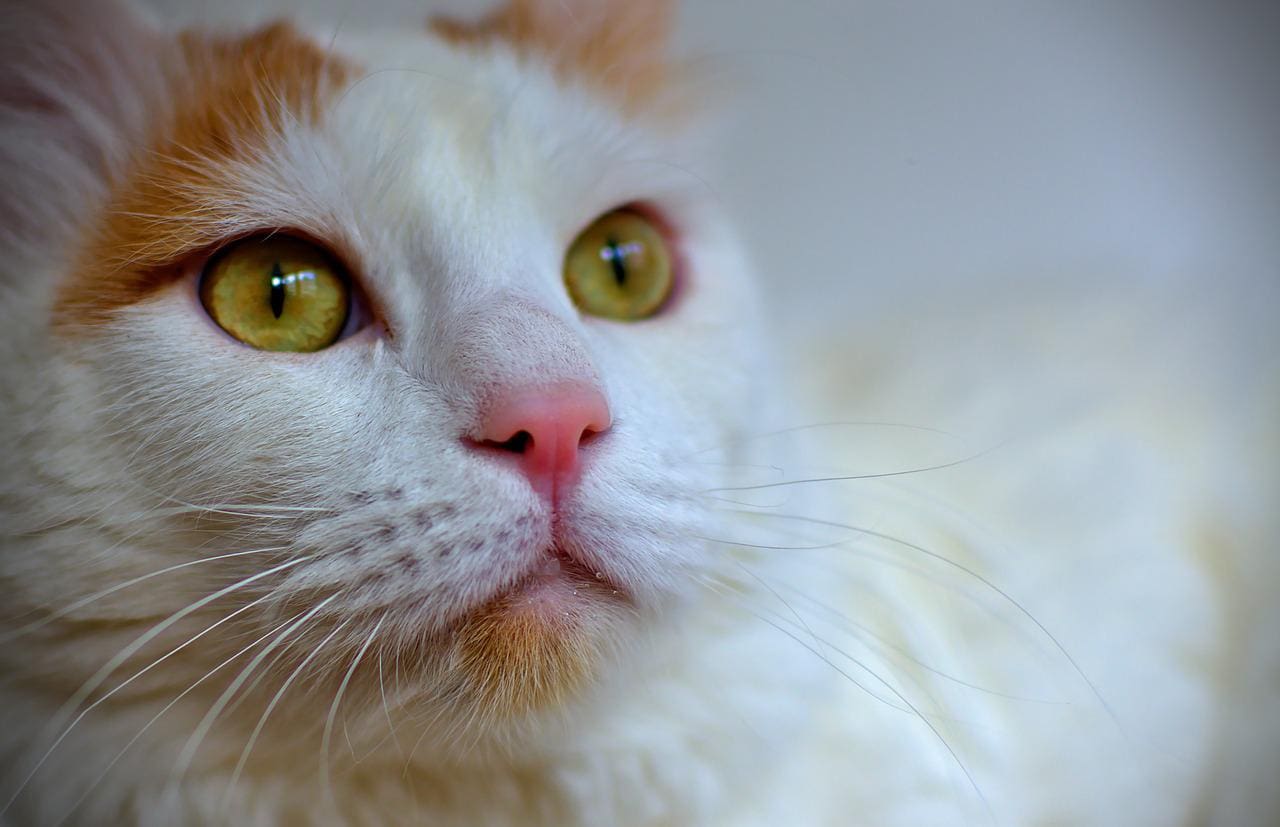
(619, 267)
(277, 293)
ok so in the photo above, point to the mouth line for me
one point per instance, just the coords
(559, 582)
(560, 563)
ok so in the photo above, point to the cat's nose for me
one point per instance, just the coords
(545, 428)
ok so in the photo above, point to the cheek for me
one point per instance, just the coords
(197, 413)
(705, 346)
(680, 389)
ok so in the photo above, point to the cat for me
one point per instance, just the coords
(393, 435)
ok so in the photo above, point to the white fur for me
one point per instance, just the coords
(806, 673)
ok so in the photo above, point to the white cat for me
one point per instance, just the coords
(392, 437)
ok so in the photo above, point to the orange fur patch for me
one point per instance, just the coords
(617, 46)
(230, 95)
(517, 663)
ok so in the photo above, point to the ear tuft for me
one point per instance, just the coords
(619, 46)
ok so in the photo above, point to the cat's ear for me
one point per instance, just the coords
(616, 45)
(72, 75)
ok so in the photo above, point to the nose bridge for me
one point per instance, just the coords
(514, 342)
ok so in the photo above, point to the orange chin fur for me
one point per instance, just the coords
(519, 655)
(520, 664)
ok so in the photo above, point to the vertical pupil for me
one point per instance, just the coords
(277, 290)
(613, 253)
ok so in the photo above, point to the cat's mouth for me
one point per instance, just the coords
(557, 584)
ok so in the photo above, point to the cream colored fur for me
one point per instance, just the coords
(1068, 621)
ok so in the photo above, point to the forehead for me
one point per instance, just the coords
(462, 134)
(400, 141)
(478, 165)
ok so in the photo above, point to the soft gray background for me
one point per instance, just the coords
(911, 146)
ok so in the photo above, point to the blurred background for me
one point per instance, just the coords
(912, 146)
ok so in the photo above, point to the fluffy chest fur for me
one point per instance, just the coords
(257, 587)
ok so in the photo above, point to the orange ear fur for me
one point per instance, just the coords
(233, 94)
(617, 46)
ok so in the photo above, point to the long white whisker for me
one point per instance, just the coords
(382, 691)
(262, 721)
(897, 694)
(870, 637)
(1097, 694)
(160, 714)
(80, 604)
(836, 544)
(249, 510)
(262, 674)
(187, 755)
(743, 604)
(800, 620)
(333, 712)
(155, 631)
(850, 477)
(102, 675)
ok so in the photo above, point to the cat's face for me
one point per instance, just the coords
(376, 497)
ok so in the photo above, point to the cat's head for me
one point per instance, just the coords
(356, 355)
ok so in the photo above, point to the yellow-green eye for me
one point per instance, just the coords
(619, 267)
(277, 293)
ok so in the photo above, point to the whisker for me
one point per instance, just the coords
(869, 637)
(333, 712)
(262, 721)
(256, 510)
(743, 604)
(780, 599)
(745, 504)
(263, 672)
(187, 755)
(382, 692)
(768, 547)
(157, 716)
(80, 604)
(1097, 694)
(910, 707)
(67, 709)
(851, 477)
(155, 631)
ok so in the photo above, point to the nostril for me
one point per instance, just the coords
(589, 433)
(518, 444)
(545, 428)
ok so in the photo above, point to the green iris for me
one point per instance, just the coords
(278, 294)
(619, 267)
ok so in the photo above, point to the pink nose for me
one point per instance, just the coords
(545, 428)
